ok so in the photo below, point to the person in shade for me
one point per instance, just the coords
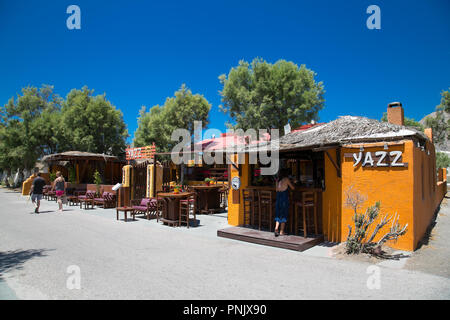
(59, 187)
(282, 201)
(36, 191)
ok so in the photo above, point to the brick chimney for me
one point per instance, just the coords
(429, 133)
(395, 113)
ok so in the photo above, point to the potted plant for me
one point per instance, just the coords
(72, 175)
(97, 181)
(52, 176)
(176, 188)
(207, 181)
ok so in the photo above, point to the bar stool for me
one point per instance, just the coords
(160, 203)
(186, 207)
(247, 204)
(224, 196)
(308, 201)
(266, 204)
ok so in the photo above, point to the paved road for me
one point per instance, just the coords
(146, 260)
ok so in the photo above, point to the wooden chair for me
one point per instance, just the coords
(224, 196)
(308, 201)
(188, 206)
(107, 200)
(266, 208)
(45, 191)
(86, 198)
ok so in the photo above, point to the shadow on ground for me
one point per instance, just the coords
(425, 241)
(14, 259)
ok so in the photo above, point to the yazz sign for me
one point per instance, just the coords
(379, 159)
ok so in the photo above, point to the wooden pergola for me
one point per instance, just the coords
(84, 162)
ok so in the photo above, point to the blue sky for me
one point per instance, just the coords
(140, 52)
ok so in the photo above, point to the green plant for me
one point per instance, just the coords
(52, 176)
(97, 180)
(72, 175)
(361, 241)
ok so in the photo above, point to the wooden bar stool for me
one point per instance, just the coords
(224, 196)
(187, 206)
(160, 203)
(247, 198)
(266, 207)
(309, 201)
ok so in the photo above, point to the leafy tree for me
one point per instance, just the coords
(23, 134)
(442, 160)
(440, 123)
(92, 124)
(177, 112)
(261, 95)
(409, 122)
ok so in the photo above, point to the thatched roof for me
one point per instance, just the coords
(78, 155)
(345, 130)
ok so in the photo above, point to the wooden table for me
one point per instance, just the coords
(86, 203)
(171, 212)
(72, 200)
(208, 197)
(125, 210)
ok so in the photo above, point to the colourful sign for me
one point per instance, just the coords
(141, 152)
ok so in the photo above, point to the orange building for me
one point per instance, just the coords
(381, 161)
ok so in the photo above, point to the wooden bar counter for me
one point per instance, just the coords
(171, 211)
(295, 195)
(208, 197)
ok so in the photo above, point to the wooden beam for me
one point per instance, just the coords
(338, 169)
(235, 166)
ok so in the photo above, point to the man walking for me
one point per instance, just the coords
(36, 191)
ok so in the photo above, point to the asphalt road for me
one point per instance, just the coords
(43, 256)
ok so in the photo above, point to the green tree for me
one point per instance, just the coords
(23, 134)
(442, 160)
(440, 122)
(261, 95)
(92, 124)
(409, 122)
(178, 112)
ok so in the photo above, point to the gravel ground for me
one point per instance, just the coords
(433, 255)
(146, 260)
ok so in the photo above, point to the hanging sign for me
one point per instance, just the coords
(378, 159)
(236, 183)
(140, 153)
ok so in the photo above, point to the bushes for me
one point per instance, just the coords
(360, 241)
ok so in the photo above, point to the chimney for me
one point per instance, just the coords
(429, 133)
(395, 113)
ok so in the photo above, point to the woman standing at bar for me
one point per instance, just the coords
(282, 202)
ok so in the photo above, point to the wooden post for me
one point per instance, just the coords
(154, 177)
(77, 170)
